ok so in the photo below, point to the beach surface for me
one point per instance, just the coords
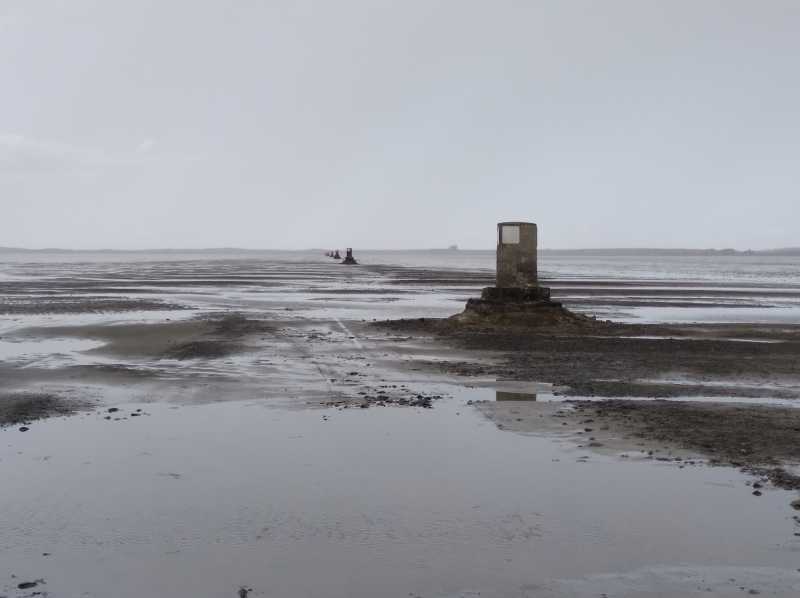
(284, 425)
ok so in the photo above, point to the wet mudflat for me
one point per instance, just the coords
(198, 500)
(603, 358)
(253, 428)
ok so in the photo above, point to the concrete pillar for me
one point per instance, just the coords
(517, 255)
(349, 259)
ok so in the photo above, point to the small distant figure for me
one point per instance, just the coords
(349, 259)
(336, 255)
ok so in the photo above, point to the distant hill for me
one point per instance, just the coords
(784, 251)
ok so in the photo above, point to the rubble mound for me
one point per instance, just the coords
(541, 314)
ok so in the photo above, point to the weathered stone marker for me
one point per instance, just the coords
(349, 259)
(516, 255)
(518, 291)
(517, 270)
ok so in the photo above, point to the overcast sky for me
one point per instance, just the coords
(394, 124)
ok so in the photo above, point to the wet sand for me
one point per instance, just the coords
(600, 358)
(265, 427)
(22, 408)
(758, 439)
(585, 358)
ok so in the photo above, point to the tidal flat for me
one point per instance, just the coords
(284, 425)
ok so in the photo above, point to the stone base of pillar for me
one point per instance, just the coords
(515, 294)
(521, 308)
(514, 302)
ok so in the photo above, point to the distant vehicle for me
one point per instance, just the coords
(453, 248)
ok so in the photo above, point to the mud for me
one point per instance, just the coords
(587, 357)
(25, 407)
(743, 436)
(210, 336)
(759, 439)
(272, 442)
(92, 305)
(583, 357)
(387, 395)
(218, 339)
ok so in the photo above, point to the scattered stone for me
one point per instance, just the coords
(779, 477)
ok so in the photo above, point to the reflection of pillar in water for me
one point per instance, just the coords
(515, 396)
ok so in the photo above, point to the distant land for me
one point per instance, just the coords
(785, 251)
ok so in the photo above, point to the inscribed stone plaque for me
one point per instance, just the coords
(510, 235)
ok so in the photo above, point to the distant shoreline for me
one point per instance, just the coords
(622, 251)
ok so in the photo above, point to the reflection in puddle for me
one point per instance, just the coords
(514, 396)
(546, 394)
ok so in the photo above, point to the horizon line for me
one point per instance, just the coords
(454, 249)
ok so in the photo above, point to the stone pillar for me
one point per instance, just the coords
(517, 255)
(517, 298)
(349, 259)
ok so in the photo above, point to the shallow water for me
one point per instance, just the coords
(42, 351)
(199, 500)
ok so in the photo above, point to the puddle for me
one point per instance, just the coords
(545, 393)
(198, 501)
